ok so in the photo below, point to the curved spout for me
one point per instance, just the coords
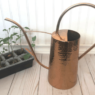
(27, 41)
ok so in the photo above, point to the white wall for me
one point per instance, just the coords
(42, 15)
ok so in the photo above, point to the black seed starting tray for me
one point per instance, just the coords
(9, 66)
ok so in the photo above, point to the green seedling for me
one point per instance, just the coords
(26, 56)
(5, 41)
(4, 49)
(1, 51)
(33, 42)
(9, 40)
(7, 30)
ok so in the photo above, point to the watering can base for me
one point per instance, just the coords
(64, 87)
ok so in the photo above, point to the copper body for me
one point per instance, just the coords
(64, 53)
(63, 62)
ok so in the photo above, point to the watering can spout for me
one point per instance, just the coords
(32, 51)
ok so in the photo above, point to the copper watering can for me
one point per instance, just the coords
(63, 63)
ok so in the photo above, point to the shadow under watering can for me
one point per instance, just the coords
(64, 52)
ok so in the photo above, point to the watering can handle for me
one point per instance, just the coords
(32, 53)
(75, 5)
(58, 23)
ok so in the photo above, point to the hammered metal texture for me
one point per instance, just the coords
(63, 63)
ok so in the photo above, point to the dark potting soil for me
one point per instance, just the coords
(7, 56)
(22, 58)
(19, 52)
(13, 61)
(2, 65)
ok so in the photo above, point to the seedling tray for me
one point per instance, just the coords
(7, 68)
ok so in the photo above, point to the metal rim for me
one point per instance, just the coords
(67, 41)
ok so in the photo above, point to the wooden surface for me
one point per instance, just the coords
(34, 81)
